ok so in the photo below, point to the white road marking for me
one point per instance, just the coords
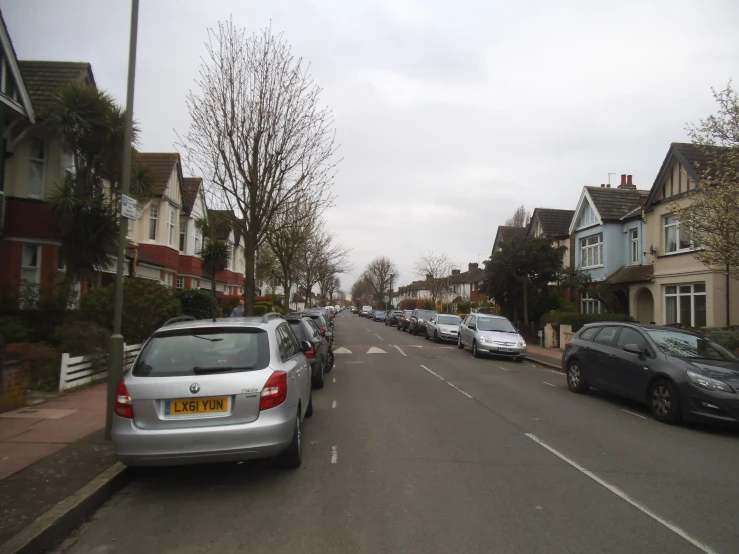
(342, 350)
(378, 336)
(550, 384)
(460, 390)
(334, 455)
(368, 329)
(375, 350)
(632, 413)
(503, 368)
(415, 345)
(447, 382)
(333, 404)
(623, 496)
(399, 350)
(334, 379)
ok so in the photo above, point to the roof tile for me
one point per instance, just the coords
(43, 79)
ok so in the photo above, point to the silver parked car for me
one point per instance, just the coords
(443, 327)
(491, 334)
(214, 391)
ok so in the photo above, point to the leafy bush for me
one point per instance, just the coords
(45, 365)
(266, 305)
(227, 302)
(12, 329)
(146, 306)
(260, 310)
(728, 338)
(197, 303)
(81, 338)
(268, 299)
(577, 320)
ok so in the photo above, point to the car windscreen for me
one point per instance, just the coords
(449, 320)
(684, 345)
(408, 313)
(297, 328)
(499, 324)
(203, 351)
(426, 314)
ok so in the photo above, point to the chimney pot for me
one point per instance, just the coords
(608, 185)
(623, 178)
(602, 186)
(628, 180)
(471, 266)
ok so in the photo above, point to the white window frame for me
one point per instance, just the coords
(35, 268)
(681, 297)
(67, 158)
(589, 305)
(587, 250)
(170, 225)
(183, 235)
(634, 245)
(196, 283)
(180, 282)
(153, 221)
(167, 281)
(678, 227)
(196, 252)
(42, 162)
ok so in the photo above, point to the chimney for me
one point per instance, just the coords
(602, 186)
(608, 185)
(471, 266)
(455, 272)
(626, 183)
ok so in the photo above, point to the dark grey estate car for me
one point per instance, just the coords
(679, 374)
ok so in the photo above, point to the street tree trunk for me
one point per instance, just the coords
(250, 250)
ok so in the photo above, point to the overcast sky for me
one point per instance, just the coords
(449, 115)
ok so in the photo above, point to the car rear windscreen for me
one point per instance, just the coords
(297, 328)
(203, 351)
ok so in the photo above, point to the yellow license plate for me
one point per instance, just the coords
(186, 406)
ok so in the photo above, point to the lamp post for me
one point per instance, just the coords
(115, 363)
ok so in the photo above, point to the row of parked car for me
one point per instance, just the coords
(220, 390)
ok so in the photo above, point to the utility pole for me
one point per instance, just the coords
(115, 364)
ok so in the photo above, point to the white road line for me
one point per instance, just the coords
(503, 368)
(333, 404)
(378, 336)
(368, 329)
(432, 373)
(632, 413)
(334, 455)
(399, 350)
(334, 379)
(460, 390)
(623, 496)
(550, 384)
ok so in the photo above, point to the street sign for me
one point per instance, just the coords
(128, 207)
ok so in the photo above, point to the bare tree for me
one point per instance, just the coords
(257, 134)
(361, 292)
(520, 217)
(436, 269)
(322, 256)
(378, 274)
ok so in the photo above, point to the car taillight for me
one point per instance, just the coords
(323, 330)
(274, 392)
(311, 353)
(123, 407)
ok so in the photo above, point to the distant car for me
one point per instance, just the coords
(418, 319)
(379, 315)
(322, 323)
(305, 329)
(215, 390)
(491, 334)
(677, 373)
(404, 319)
(443, 327)
(392, 318)
(366, 311)
(354, 309)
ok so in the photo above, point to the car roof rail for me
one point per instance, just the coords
(178, 319)
(271, 315)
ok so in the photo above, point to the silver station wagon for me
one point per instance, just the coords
(215, 391)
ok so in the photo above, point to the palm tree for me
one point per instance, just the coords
(215, 253)
(86, 204)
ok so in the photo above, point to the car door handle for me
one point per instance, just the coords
(611, 355)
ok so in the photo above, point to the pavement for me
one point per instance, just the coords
(48, 453)
(418, 447)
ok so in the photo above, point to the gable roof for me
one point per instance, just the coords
(554, 223)
(160, 166)
(694, 158)
(472, 276)
(632, 274)
(505, 233)
(614, 203)
(43, 79)
(190, 188)
(12, 61)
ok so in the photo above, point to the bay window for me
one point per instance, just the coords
(591, 251)
(686, 304)
(37, 169)
(153, 219)
(170, 226)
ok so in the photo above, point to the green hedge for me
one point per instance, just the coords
(577, 320)
(197, 303)
(728, 338)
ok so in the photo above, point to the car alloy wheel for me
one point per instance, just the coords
(575, 382)
(475, 353)
(459, 342)
(664, 402)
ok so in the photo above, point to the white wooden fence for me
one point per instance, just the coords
(80, 370)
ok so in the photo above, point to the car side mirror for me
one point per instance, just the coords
(472, 326)
(305, 346)
(633, 349)
(328, 334)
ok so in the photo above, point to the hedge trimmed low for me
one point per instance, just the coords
(577, 320)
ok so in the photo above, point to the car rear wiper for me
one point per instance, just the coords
(200, 370)
(206, 338)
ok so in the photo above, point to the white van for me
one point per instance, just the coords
(366, 311)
